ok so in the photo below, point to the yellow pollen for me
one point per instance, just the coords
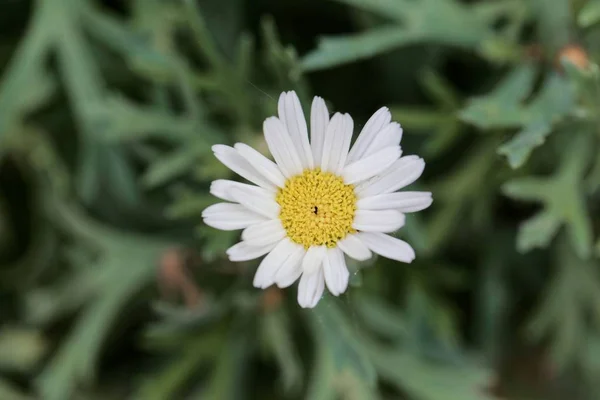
(317, 208)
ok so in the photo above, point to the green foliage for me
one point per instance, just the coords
(564, 203)
(589, 14)
(124, 266)
(572, 295)
(112, 288)
(502, 108)
(447, 22)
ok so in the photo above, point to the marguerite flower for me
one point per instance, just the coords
(319, 200)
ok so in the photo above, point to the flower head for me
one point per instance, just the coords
(320, 200)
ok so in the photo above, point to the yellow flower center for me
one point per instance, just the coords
(317, 208)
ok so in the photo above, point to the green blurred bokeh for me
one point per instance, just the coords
(112, 288)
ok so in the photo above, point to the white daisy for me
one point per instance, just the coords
(319, 200)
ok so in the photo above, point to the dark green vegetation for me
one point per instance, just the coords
(111, 287)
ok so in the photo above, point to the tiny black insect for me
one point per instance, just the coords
(315, 209)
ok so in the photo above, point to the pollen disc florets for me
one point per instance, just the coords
(317, 208)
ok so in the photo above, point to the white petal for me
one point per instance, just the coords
(265, 274)
(221, 187)
(291, 269)
(370, 166)
(226, 224)
(388, 246)
(354, 248)
(337, 143)
(230, 217)
(244, 251)
(405, 202)
(313, 259)
(378, 221)
(335, 271)
(402, 173)
(222, 208)
(291, 114)
(376, 123)
(238, 164)
(390, 135)
(260, 204)
(311, 289)
(319, 119)
(264, 233)
(282, 147)
(262, 164)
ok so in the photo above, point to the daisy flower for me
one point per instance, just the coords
(320, 200)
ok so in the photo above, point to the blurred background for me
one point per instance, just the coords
(112, 288)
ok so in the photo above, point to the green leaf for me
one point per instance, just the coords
(342, 342)
(351, 48)
(120, 176)
(87, 180)
(419, 22)
(123, 121)
(585, 79)
(129, 264)
(75, 361)
(458, 191)
(527, 188)
(442, 127)
(22, 73)
(432, 328)
(45, 305)
(230, 368)
(441, 122)
(591, 356)
(562, 196)
(518, 149)
(551, 105)
(501, 108)
(426, 380)
(589, 14)
(171, 166)
(282, 62)
(41, 87)
(492, 302)
(177, 320)
(166, 383)
(538, 231)
(341, 356)
(572, 295)
(323, 374)
(446, 136)
(593, 179)
(439, 89)
(327, 383)
(245, 52)
(278, 339)
(419, 119)
(141, 55)
(84, 83)
(554, 24)
(381, 317)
